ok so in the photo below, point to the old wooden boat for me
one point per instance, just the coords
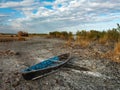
(46, 67)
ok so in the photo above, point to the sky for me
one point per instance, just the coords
(44, 16)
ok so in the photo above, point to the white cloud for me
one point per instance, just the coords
(7, 29)
(3, 15)
(16, 4)
(65, 13)
(26, 6)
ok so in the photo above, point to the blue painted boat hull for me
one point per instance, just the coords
(43, 68)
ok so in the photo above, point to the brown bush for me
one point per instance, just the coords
(21, 39)
(117, 48)
(82, 43)
(21, 33)
(103, 40)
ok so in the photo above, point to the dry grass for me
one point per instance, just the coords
(83, 43)
(103, 40)
(68, 43)
(114, 55)
(21, 39)
(117, 48)
(8, 39)
(116, 58)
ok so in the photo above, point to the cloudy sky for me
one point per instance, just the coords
(43, 16)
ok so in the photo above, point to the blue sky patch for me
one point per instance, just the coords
(47, 0)
(49, 7)
(59, 5)
(35, 11)
(13, 14)
(7, 10)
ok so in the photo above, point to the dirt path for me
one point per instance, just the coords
(85, 71)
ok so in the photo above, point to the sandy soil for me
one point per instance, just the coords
(88, 71)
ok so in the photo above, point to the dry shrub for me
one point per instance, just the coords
(115, 54)
(83, 43)
(111, 56)
(48, 36)
(7, 39)
(117, 49)
(21, 39)
(116, 58)
(68, 43)
(103, 40)
(108, 55)
(21, 33)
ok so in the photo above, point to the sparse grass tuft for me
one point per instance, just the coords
(21, 39)
(117, 48)
(83, 43)
(7, 39)
(103, 40)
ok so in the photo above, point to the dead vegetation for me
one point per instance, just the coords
(8, 52)
(82, 43)
(10, 39)
(117, 48)
(13, 37)
(117, 52)
(85, 39)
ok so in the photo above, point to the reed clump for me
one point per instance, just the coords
(85, 39)
(61, 35)
(117, 48)
(83, 43)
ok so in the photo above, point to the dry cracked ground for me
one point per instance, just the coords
(85, 71)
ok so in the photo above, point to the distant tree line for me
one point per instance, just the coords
(109, 35)
(62, 35)
(38, 34)
(92, 35)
